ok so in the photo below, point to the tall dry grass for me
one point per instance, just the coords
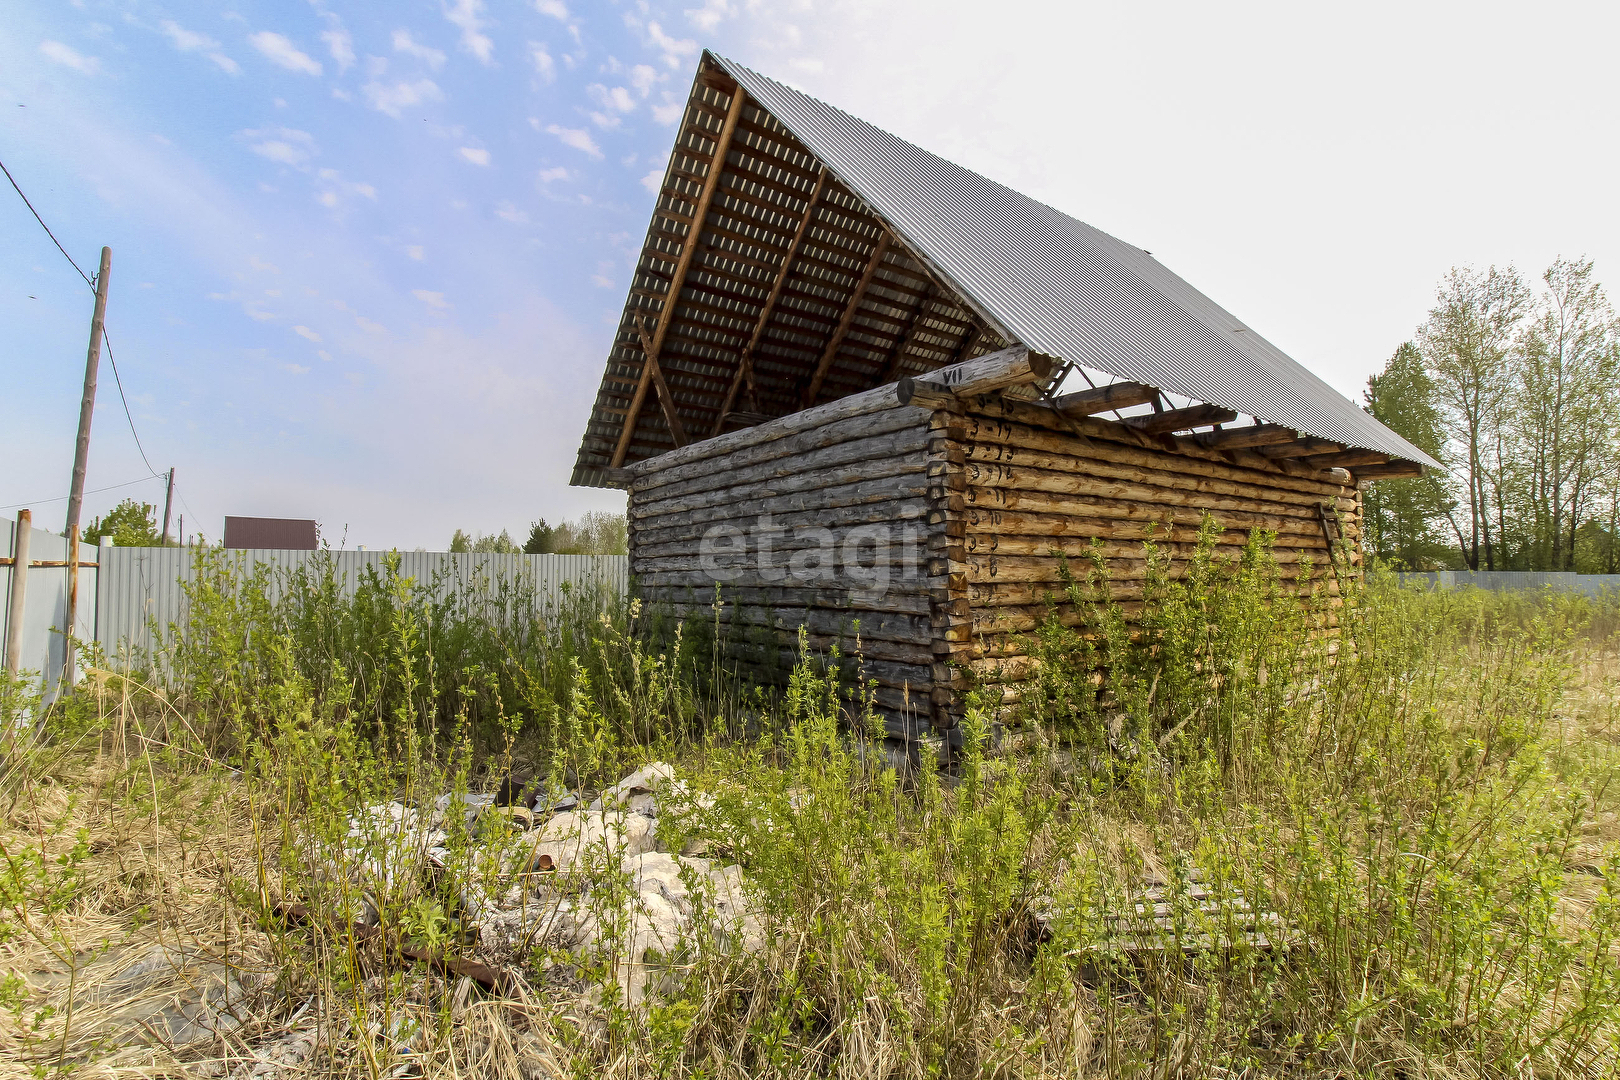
(1416, 786)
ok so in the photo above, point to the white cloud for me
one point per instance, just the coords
(555, 8)
(324, 355)
(542, 61)
(186, 40)
(676, 51)
(434, 300)
(295, 369)
(507, 212)
(711, 13)
(467, 15)
(578, 138)
(809, 64)
(601, 282)
(477, 156)
(67, 57)
(307, 334)
(404, 43)
(642, 78)
(415, 252)
(617, 98)
(259, 264)
(338, 41)
(653, 181)
(278, 50)
(225, 63)
(285, 146)
(368, 326)
(328, 199)
(548, 175)
(670, 111)
(391, 99)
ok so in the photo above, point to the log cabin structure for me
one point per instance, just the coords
(857, 385)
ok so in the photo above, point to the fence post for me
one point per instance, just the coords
(19, 589)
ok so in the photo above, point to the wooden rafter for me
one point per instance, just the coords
(878, 251)
(1100, 399)
(1306, 447)
(745, 362)
(694, 236)
(1243, 437)
(891, 367)
(1162, 423)
(665, 398)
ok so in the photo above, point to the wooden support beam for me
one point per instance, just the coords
(1101, 399)
(1305, 447)
(745, 363)
(891, 367)
(665, 398)
(617, 478)
(878, 251)
(1162, 423)
(1243, 437)
(1350, 459)
(1393, 470)
(1009, 367)
(672, 299)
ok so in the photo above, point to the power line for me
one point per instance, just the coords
(44, 226)
(93, 491)
(106, 340)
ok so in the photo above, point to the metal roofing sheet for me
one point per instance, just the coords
(1064, 288)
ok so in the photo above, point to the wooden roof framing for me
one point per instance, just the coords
(765, 281)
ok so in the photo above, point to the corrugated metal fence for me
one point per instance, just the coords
(45, 601)
(1593, 585)
(143, 588)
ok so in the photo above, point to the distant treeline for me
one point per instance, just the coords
(1515, 387)
(596, 532)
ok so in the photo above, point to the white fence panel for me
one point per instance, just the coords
(143, 587)
(45, 603)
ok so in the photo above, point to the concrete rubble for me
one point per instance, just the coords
(541, 873)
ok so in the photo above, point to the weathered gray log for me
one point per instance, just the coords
(678, 528)
(1300, 448)
(1088, 515)
(981, 375)
(788, 448)
(870, 401)
(1243, 437)
(836, 601)
(729, 473)
(872, 473)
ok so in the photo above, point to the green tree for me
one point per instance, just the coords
(1467, 345)
(491, 544)
(540, 538)
(130, 524)
(1404, 517)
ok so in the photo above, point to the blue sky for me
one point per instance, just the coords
(367, 258)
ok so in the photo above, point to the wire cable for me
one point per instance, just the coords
(92, 491)
(44, 226)
(119, 382)
(105, 338)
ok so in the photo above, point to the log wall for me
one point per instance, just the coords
(1034, 484)
(816, 520)
(935, 528)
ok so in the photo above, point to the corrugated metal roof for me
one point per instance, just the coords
(1062, 287)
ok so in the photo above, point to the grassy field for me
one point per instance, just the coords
(1409, 794)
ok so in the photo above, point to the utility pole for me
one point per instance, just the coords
(168, 501)
(81, 457)
(87, 406)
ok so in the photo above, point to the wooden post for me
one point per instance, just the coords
(87, 405)
(19, 591)
(72, 627)
(168, 501)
